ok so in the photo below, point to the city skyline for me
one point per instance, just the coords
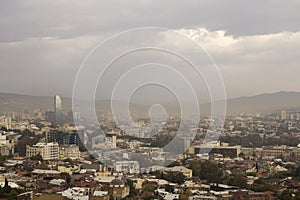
(145, 99)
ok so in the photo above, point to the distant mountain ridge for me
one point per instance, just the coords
(263, 103)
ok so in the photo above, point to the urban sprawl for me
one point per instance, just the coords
(44, 155)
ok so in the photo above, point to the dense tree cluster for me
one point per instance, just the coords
(174, 177)
(255, 140)
(207, 170)
(28, 138)
(9, 193)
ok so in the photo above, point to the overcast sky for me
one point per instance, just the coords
(256, 44)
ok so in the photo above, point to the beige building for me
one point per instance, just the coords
(53, 151)
(64, 169)
(48, 151)
(185, 171)
(6, 146)
(127, 167)
(69, 151)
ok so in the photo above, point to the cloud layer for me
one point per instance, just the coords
(255, 44)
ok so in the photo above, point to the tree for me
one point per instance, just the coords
(28, 133)
(211, 172)
(2, 128)
(242, 155)
(37, 157)
(195, 166)
(174, 177)
(286, 195)
(149, 187)
(238, 180)
(67, 177)
(297, 172)
(175, 163)
(26, 140)
(169, 188)
(297, 197)
(133, 192)
(185, 195)
(150, 197)
(43, 165)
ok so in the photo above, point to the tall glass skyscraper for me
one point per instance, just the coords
(58, 112)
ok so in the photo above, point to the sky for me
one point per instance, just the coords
(255, 44)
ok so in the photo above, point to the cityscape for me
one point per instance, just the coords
(44, 156)
(149, 100)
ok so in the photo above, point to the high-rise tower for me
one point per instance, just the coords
(283, 115)
(58, 112)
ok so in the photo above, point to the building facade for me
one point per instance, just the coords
(127, 167)
(48, 151)
(58, 111)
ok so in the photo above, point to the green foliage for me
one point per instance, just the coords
(286, 195)
(175, 163)
(43, 165)
(185, 195)
(66, 176)
(297, 172)
(149, 188)
(26, 140)
(150, 197)
(174, 177)
(251, 174)
(261, 185)
(195, 165)
(255, 140)
(238, 180)
(133, 192)
(37, 157)
(207, 170)
(169, 188)
(162, 140)
(28, 133)
(3, 158)
(297, 196)
(2, 128)
(9, 193)
(211, 172)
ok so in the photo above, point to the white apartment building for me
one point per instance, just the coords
(48, 151)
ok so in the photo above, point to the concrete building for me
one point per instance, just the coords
(104, 142)
(69, 151)
(58, 111)
(127, 167)
(226, 151)
(283, 115)
(185, 171)
(118, 189)
(48, 151)
(6, 145)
